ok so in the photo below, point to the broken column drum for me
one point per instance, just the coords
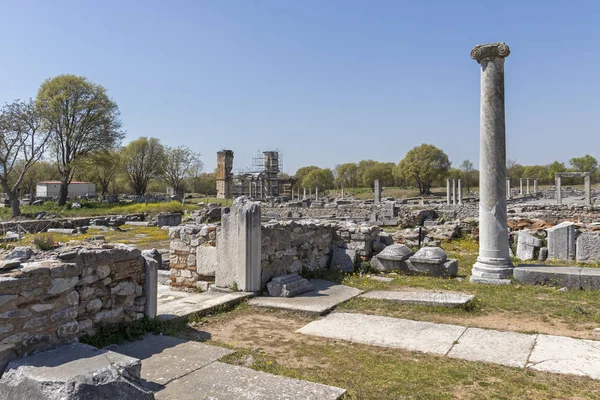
(493, 263)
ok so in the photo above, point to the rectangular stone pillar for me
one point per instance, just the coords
(310, 193)
(152, 260)
(557, 185)
(561, 241)
(453, 191)
(587, 181)
(239, 247)
(521, 186)
(527, 185)
(377, 189)
(535, 185)
(460, 192)
(342, 193)
(507, 188)
(448, 191)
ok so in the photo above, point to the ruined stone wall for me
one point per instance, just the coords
(51, 302)
(192, 255)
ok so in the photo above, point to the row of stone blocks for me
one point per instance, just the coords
(427, 261)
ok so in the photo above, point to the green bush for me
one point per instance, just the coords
(44, 241)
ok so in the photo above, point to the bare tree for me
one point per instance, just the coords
(22, 144)
(178, 162)
(82, 119)
(467, 167)
(143, 159)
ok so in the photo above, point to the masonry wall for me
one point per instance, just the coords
(192, 255)
(47, 303)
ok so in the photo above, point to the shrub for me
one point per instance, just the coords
(44, 241)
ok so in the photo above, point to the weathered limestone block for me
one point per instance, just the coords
(526, 245)
(206, 260)
(74, 371)
(392, 258)
(432, 261)
(344, 259)
(561, 241)
(168, 219)
(288, 286)
(588, 247)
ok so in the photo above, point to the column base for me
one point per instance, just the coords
(492, 271)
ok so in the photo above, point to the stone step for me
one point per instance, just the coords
(288, 286)
(441, 299)
(569, 277)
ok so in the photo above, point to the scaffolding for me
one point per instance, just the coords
(261, 180)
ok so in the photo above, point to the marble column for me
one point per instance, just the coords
(310, 193)
(508, 188)
(535, 185)
(453, 191)
(317, 194)
(342, 193)
(521, 186)
(377, 190)
(588, 188)
(448, 191)
(557, 185)
(493, 263)
(460, 192)
(304, 198)
(527, 185)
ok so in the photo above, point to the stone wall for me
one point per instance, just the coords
(193, 255)
(51, 302)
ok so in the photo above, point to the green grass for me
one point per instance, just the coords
(120, 333)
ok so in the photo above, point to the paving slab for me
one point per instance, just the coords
(166, 358)
(566, 355)
(322, 299)
(381, 278)
(375, 330)
(507, 348)
(219, 381)
(172, 305)
(569, 277)
(440, 299)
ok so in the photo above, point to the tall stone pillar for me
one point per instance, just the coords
(535, 185)
(460, 192)
(342, 193)
(448, 191)
(588, 188)
(508, 188)
(377, 189)
(557, 185)
(453, 191)
(304, 198)
(527, 185)
(521, 186)
(310, 193)
(239, 247)
(317, 194)
(493, 263)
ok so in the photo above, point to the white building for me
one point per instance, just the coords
(52, 189)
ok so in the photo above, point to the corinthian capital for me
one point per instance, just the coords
(489, 51)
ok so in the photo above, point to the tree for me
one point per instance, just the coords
(424, 164)
(40, 171)
(82, 119)
(346, 175)
(554, 168)
(363, 166)
(321, 178)
(178, 162)
(102, 168)
(303, 172)
(381, 171)
(586, 163)
(204, 183)
(467, 167)
(143, 159)
(22, 144)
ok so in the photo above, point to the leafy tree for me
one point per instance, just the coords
(467, 168)
(346, 175)
(143, 159)
(178, 161)
(362, 167)
(40, 171)
(102, 168)
(586, 163)
(378, 170)
(82, 119)
(22, 144)
(204, 183)
(303, 172)
(536, 172)
(424, 164)
(555, 168)
(321, 178)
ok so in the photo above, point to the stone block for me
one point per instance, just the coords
(288, 286)
(392, 258)
(168, 219)
(431, 261)
(569, 277)
(74, 371)
(526, 245)
(590, 278)
(343, 259)
(561, 241)
(206, 260)
(588, 247)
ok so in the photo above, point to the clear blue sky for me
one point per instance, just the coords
(326, 82)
